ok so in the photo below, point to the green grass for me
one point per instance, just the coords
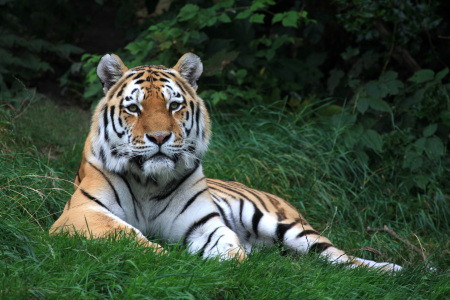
(293, 156)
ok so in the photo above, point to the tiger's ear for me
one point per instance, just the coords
(190, 68)
(110, 69)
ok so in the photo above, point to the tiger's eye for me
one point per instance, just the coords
(133, 108)
(174, 105)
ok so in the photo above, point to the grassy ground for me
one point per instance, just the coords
(300, 161)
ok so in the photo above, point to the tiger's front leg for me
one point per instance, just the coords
(91, 212)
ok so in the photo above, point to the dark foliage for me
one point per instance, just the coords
(380, 65)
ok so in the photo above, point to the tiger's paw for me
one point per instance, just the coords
(154, 247)
(237, 253)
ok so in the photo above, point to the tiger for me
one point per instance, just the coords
(141, 175)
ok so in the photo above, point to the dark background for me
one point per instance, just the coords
(380, 68)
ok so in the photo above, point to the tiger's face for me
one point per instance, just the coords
(151, 121)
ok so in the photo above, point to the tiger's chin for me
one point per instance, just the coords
(157, 166)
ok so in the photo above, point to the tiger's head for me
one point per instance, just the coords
(151, 123)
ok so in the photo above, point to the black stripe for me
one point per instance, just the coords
(102, 155)
(119, 118)
(217, 241)
(105, 122)
(188, 131)
(224, 216)
(307, 232)
(178, 184)
(93, 151)
(110, 184)
(181, 88)
(319, 247)
(121, 90)
(186, 87)
(78, 172)
(93, 199)
(198, 180)
(161, 74)
(197, 224)
(241, 208)
(162, 211)
(282, 228)
(138, 75)
(207, 242)
(132, 197)
(139, 81)
(249, 190)
(197, 117)
(226, 202)
(191, 201)
(113, 123)
(232, 189)
(256, 218)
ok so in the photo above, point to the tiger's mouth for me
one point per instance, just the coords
(158, 157)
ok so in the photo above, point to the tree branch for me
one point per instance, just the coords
(391, 232)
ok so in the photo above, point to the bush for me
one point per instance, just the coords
(396, 115)
(31, 43)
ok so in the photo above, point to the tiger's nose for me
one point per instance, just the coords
(159, 138)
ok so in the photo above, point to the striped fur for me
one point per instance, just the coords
(141, 173)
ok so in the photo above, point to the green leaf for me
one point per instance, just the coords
(352, 135)
(389, 84)
(430, 130)
(244, 14)
(363, 104)
(373, 89)
(362, 157)
(420, 144)
(441, 75)
(290, 19)
(91, 90)
(188, 12)
(260, 4)
(388, 76)
(216, 97)
(434, 147)
(412, 159)
(422, 76)
(206, 18)
(166, 45)
(380, 105)
(445, 117)
(421, 181)
(223, 4)
(349, 53)
(373, 140)
(334, 79)
(224, 18)
(277, 18)
(343, 119)
(257, 18)
(394, 87)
